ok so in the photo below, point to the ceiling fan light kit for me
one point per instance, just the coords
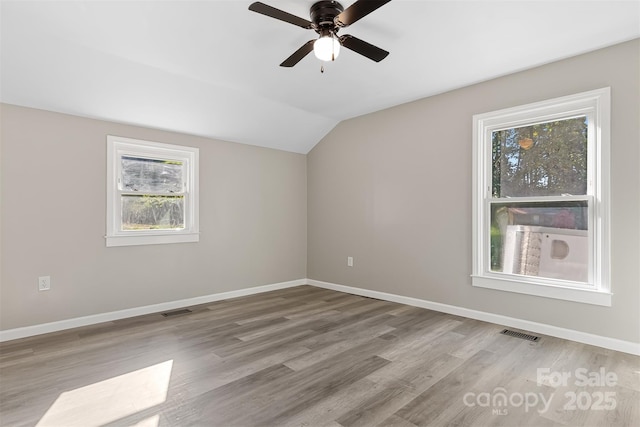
(327, 48)
(327, 18)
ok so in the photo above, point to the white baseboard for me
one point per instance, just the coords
(541, 328)
(28, 331)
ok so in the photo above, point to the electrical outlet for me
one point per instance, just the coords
(44, 283)
(349, 261)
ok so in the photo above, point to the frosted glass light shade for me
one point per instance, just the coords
(326, 48)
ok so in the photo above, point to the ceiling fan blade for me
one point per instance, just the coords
(304, 50)
(363, 48)
(357, 11)
(272, 12)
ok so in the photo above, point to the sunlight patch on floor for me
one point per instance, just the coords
(112, 399)
(148, 422)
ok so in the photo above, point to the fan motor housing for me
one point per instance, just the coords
(324, 12)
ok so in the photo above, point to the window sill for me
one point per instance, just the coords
(586, 296)
(152, 239)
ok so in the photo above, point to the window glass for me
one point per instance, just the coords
(148, 212)
(151, 175)
(541, 239)
(544, 159)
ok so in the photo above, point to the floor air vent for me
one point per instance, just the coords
(176, 312)
(520, 335)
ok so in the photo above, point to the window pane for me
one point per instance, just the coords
(146, 175)
(143, 212)
(544, 239)
(545, 159)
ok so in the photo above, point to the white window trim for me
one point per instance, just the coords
(597, 103)
(118, 146)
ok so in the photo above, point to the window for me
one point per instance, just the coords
(541, 199)
(152, 193)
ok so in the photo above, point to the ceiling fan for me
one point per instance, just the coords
(327, 18)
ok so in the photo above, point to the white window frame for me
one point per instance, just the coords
(118, 147)
(596, 106)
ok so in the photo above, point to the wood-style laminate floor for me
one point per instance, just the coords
(307, 356)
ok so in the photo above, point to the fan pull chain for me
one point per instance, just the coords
(321, 68)
(333, 48)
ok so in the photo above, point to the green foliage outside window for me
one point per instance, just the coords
(545, 159)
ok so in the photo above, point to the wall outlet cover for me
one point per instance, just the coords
(44, 283)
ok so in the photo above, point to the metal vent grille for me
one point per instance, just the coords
(520, 335)
(176, 312)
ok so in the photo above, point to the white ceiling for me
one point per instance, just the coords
(210, 68)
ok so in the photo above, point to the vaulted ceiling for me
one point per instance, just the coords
(211, 68)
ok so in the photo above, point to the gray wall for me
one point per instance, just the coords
(252, 220)
(393, 190)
